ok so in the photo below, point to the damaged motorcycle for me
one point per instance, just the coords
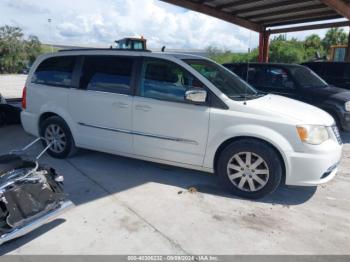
(31, 194)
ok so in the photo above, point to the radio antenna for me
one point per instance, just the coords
(247, 74)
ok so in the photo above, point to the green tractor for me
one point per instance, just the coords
(132, 43)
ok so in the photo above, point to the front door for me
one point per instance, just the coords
(165, 126)
(102, 106)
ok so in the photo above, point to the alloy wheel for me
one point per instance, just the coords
(55, 135)
(248, 171)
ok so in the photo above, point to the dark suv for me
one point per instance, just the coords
(300, 83)
(335, 73)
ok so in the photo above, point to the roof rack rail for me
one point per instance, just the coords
(103, 49)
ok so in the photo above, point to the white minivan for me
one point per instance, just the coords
(180, 110)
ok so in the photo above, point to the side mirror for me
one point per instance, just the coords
(196, 96)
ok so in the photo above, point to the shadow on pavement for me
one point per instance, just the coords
(119, 174)
(284, 195)
(91, 175)
(113, 174)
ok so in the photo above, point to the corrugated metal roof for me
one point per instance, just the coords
(265, 13)
(275, 12)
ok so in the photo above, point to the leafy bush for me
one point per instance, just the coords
(283, 50)
(16, 52)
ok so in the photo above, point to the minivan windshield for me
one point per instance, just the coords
(307, 78)
(226, 81)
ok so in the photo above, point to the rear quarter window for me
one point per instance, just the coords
(55, 71)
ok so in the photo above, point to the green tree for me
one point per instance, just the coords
(222, 56)
(313, 47)
(286, 51)
(334, 36)
(15, 51)
(283, 50)
(313, 41)
(33, 48)
(11, 49)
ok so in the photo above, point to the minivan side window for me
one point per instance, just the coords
(110, 74)
(166, 80)
(55, 71)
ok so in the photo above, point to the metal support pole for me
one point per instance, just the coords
(261, 47)
(264, 46)
(347, 56)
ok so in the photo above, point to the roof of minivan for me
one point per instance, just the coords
(129, 52)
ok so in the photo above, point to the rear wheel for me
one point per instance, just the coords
(250, 168)
(56, 131)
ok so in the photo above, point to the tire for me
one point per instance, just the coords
(337, 122)
(250, 179)
(55, 130)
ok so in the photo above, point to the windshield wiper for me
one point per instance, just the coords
(248, 96)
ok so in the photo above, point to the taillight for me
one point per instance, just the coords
(24, 98)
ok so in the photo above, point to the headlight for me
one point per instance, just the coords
(347, 106)
(313, 135)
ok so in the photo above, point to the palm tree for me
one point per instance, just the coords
(334, 36)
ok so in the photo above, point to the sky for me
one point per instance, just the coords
(100, 22)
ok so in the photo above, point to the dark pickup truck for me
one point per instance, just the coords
(300, 83)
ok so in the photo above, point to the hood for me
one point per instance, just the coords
(292, 109)
(328, 92)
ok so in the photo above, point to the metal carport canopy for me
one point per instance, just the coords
(264, 16)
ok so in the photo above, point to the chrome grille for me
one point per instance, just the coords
(337, 134)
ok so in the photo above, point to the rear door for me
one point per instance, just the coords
(165, 125)
(102, 106)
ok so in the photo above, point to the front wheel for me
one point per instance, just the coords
(250, 168)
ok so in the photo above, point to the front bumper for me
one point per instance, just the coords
(310, 169)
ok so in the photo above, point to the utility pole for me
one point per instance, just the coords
(50, 33)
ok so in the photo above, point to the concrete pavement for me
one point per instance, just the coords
(126, 206)
(11, 86)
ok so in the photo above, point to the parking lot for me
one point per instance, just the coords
(11, 86)
(126, 206)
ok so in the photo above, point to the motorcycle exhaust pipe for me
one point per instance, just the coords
(18, 232)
